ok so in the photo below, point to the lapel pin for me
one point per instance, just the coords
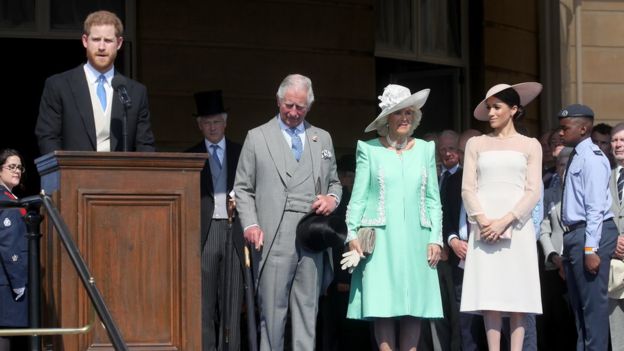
(314, 138)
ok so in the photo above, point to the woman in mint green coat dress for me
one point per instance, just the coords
(396, 192)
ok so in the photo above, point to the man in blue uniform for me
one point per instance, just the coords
(589, 240)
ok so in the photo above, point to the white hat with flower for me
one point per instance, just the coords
(394, 98)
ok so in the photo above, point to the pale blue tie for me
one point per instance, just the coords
(101, 93)
(215, 155)
(297, 145)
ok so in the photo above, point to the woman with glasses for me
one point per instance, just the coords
(13, 253)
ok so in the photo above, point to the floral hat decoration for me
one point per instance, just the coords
(394, 98)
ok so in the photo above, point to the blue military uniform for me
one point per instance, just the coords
(586, 211)
(14, 263)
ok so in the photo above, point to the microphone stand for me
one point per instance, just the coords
(124, 122)
(127, 103)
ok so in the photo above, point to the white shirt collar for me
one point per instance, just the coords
(93, 74)
(221, 143)
(453, 169)
(300, 128)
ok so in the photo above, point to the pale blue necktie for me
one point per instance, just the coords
(215, 155)
(297, 145)
(101, 93)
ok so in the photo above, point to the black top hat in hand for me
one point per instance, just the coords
(209, 103)
(317, 232)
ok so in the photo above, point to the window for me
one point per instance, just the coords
(422, 30)
(17, 14)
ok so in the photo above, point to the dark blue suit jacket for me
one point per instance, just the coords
(14, 272)
(66, 119)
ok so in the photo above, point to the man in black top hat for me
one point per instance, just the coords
(220, 260)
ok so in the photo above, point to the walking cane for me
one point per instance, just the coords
(251, 306)
(252, 332)
(227, 276)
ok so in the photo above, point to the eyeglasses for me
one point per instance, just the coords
(14, 168)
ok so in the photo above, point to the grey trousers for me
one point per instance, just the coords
(588, 292)
(616, 324)
(290, 280)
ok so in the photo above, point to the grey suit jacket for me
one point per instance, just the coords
(551, 233)
(616, 208)
(262, 176)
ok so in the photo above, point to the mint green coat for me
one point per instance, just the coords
(399, 196)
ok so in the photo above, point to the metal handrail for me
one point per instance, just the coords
(52, 331)
(33, 203)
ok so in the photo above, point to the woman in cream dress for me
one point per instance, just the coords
(501, 186)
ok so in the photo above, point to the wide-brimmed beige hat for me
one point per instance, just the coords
(394, 98)
(527, 91)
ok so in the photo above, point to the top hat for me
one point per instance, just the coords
(317, 232)
(209, 103)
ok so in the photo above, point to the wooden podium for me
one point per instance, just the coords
(135, 218)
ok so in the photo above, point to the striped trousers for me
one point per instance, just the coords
(214, 309)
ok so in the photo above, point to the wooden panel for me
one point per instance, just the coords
(245, 48)
(262, 25)
(602, 65)
(511, 49)
(603, 5)
(147, 308)
(596, 24)
(135, 218)
(253, 73)
(513, 13)
(605, 99)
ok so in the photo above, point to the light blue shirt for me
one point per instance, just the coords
(586, 195)
(300, 131)
(92, 75)
(538, 214)
(451, 170)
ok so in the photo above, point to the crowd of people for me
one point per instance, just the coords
(457, 241)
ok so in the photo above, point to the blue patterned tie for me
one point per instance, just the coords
(101, 93)
(215, 155)
(297, 145)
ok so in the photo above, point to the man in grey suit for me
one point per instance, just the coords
(286, 169)
(616, 184)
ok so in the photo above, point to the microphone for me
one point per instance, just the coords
(119, 85)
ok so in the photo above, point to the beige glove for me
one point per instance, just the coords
(350, 260)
